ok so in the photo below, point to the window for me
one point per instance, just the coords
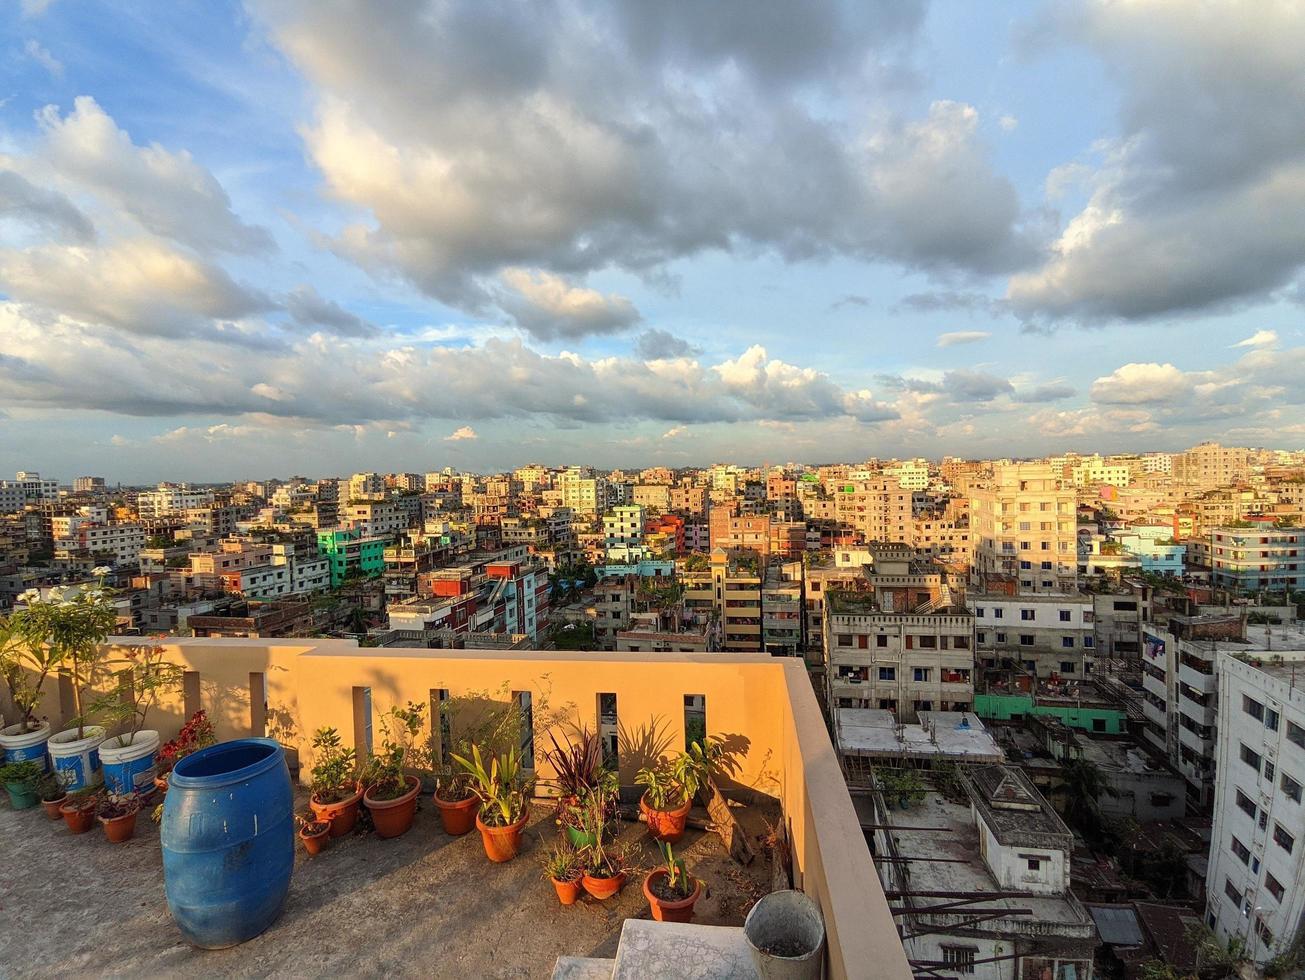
(881, 639)
(1268, 771)
(888, 673)
(1282, 838)
(1250, 757)
(1027, 615)
(1026, 639)
(1245, 804)
(978, 612)
(921, 673)
(1295, 734)
(1230, 890)
(959, 959)
(1026, 565)
(980, 637)
(1242, 851)
(1033, 863)
(1064, 614)
(1067, 642)
(996, 614)
(844, 639)
(1253, 708)
(1273, 886)
(1067, 666)
(1001, 637)
(1270, 719)
(1290, 787)
(1046, 566)
(1264, 819)
(1089, 641)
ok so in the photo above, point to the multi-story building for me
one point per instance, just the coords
(1025, 530)
(730, 589)
(1047, 636)
(35, 488)
(876, 509)
(171, 499)
(1256, 877)
(378, 518)
(623, 528)
(912, 474)
(731, 531)
(781, 608)
(1259, 558)
(583, 491)
(350, 552)
(1211, 465)
(366, 486)
(93, 535)
(88, 484)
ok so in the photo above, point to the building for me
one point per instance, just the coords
(88, 484)
(1257, 847)
(1024, 529)
(1046, 636)
(171, 499)
(729, 589)
(35, 488)
(1258, 558)
(366, 486)
(781, 609)
(350, 553)
(623, 529)
(1211, 465)
(582, 491)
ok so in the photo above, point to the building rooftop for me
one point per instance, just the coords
(874, 732)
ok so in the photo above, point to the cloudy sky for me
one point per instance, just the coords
(316, 237)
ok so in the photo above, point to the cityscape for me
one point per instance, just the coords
(605, 490)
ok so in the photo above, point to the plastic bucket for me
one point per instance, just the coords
(130, 768)
(77, 760)
(18, 745)
(228, 841)
(785, 933)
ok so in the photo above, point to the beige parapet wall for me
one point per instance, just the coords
(762, 706)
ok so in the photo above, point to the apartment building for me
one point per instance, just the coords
(623, 528)
(910, 475)
(93, 535)
(876, 509)
(1045, 635)
(377, 518)
(1252, 559)
(1025, 530)
(731, 531)
(88, 484)
(1256, 876)
(366, 486)
(1211, 465)
(656, 497)
(781, 609)
(170, 499)
(349, 551)
(729, 588)
(583, 491)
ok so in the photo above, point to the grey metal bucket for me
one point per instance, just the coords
(790, 924)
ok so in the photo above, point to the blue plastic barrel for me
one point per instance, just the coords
(228, 841)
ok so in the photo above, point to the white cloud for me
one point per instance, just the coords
(1008, 123)
(672, 433)
(1261, 338)
(962, 337)
(549, 307)
(42, 56)
(462, 434)
(1141, 384)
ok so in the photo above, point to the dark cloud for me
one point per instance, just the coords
(849, 300)
(308, 309)
(965, 385)
(948, 301)
(49, 211)
(1054, 391)
(654, 344)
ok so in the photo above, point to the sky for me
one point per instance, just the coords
(240, 241)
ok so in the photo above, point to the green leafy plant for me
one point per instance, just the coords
(678, 883)
(25, 772)
(143, 677)
(336, 770)
(386, 773)
(501, 785)
(669, 785)
(562, 863)
(111, 806)
(24, 670)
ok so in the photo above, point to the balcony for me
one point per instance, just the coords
(425, 903)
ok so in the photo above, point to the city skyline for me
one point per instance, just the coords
(234, 241)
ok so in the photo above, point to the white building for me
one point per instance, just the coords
(1257, 847)
(170, 499)
(366, 486)
(1024, 529)
(34, 487)
(1044, 634)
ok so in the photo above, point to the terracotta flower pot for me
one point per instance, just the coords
(502, 843)
(459, 816)
(341, 815)
(78, 821)
(603, 888)
(675, 911)
(393, 818)
(120, 829)
(666, 825)
(51, 807)
(568, 892)
(317, 839)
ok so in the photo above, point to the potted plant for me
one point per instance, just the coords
(314, 833)
(391, 794)
(501, 787)
(670, 788)
(128, 757)
(670, 889)
(78, 810)
(197, 733)
(52, 795)
(605, 870)
(562, 868)
(21, 781)
(335, 791)
(584, 780)
(117, 813)
(457, 803)
(25, 666)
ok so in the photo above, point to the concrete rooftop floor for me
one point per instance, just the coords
(423, 904)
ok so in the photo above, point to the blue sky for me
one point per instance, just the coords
(245, 240)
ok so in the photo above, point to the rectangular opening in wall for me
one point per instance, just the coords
(362, 722)
(440, 741)
(525, 704)
(608, 728)
(695, 719)
(257, 704)
(190, 693)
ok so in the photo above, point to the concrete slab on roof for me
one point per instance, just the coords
(959, 735)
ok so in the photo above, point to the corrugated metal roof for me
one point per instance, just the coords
(1117, 926)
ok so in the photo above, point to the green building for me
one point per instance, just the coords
(349, 552)
(1091, 718)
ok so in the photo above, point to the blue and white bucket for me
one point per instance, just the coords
(20, 745)
(77, 760)
(130, 768)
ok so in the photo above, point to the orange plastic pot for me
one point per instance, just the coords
(603, 888)
(459, 816)
(314, 842)
(341, 815)
(119, 829)
(568, 892)
(51, 807)
(664, 911)
(393, 818)
(78, 821)
(666, 825)
(502, 843)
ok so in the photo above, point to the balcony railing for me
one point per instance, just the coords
(287, 689)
